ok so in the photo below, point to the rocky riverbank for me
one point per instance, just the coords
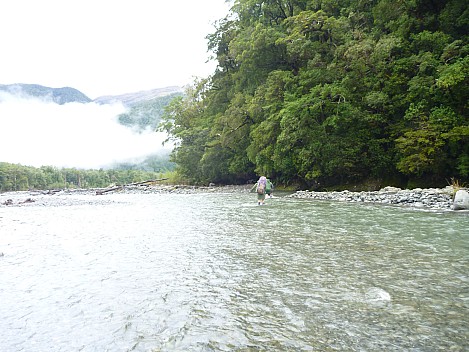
(63, 197)
(432, 198)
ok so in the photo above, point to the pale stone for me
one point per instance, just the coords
(461, 200)
(390, 189)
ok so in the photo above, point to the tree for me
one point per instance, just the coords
(330, 92)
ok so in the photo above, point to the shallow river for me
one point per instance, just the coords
(216, 272)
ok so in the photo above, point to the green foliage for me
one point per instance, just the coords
(332, 91)
(15, 177)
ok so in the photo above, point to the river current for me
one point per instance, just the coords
(216, 272)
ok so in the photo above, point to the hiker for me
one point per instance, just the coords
(269, 188)
(260, 188)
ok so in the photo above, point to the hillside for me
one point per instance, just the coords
(331, 93)
(145, 107)
(131, 99)
(58, 95)
(143, 113)
(146, 114)
(69, 95)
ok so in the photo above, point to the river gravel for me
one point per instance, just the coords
(432, 198)
(429, 198)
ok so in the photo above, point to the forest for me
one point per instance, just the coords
(16, 177)
(320, 93)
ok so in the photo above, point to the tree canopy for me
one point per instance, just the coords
(330, 92)
(16, 177)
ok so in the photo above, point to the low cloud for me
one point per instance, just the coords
(37, 133)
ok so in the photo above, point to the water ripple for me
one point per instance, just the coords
(215, 272)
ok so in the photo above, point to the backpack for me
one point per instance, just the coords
(261, 188)
(268, 187)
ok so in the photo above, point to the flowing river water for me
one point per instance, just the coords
(216, 272)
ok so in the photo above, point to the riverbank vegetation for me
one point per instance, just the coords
(15, 177)
(332, 92)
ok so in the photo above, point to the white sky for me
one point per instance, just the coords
(100, 47)
(106, 47)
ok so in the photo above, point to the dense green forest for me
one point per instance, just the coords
(330, 92)
(15, 177)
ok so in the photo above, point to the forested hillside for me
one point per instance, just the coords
(146, 114)
(331, 92)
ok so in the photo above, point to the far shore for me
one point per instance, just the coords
(429, 198)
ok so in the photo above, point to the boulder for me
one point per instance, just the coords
(8, 202)
(461, 200)
(390, 189)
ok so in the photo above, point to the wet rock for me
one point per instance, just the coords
(8, 202)
(389, 189)
(461, 200)
(433, 198)
(28, 200)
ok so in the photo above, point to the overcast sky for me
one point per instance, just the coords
(106, 47)
(100, 47)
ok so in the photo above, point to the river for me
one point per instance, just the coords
(216, 272)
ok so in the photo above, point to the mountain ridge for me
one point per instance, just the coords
(65, 95)
(130, 99)
(142, 114)
(57, 95)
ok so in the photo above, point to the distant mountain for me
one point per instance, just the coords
(144, 108)
(69, 95)
(143, 113)
(130, 99)
(57, 95)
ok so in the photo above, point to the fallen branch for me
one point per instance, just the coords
(146, 182)
(115, 188)
(102, 191)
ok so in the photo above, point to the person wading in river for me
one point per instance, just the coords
(269, 188)
(260, 187)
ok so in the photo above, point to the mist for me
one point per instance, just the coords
(37, 132)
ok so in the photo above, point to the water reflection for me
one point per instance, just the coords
(215, 272)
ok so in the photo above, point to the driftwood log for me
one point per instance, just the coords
(146, 183)
(115, 188)
(102, 191)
